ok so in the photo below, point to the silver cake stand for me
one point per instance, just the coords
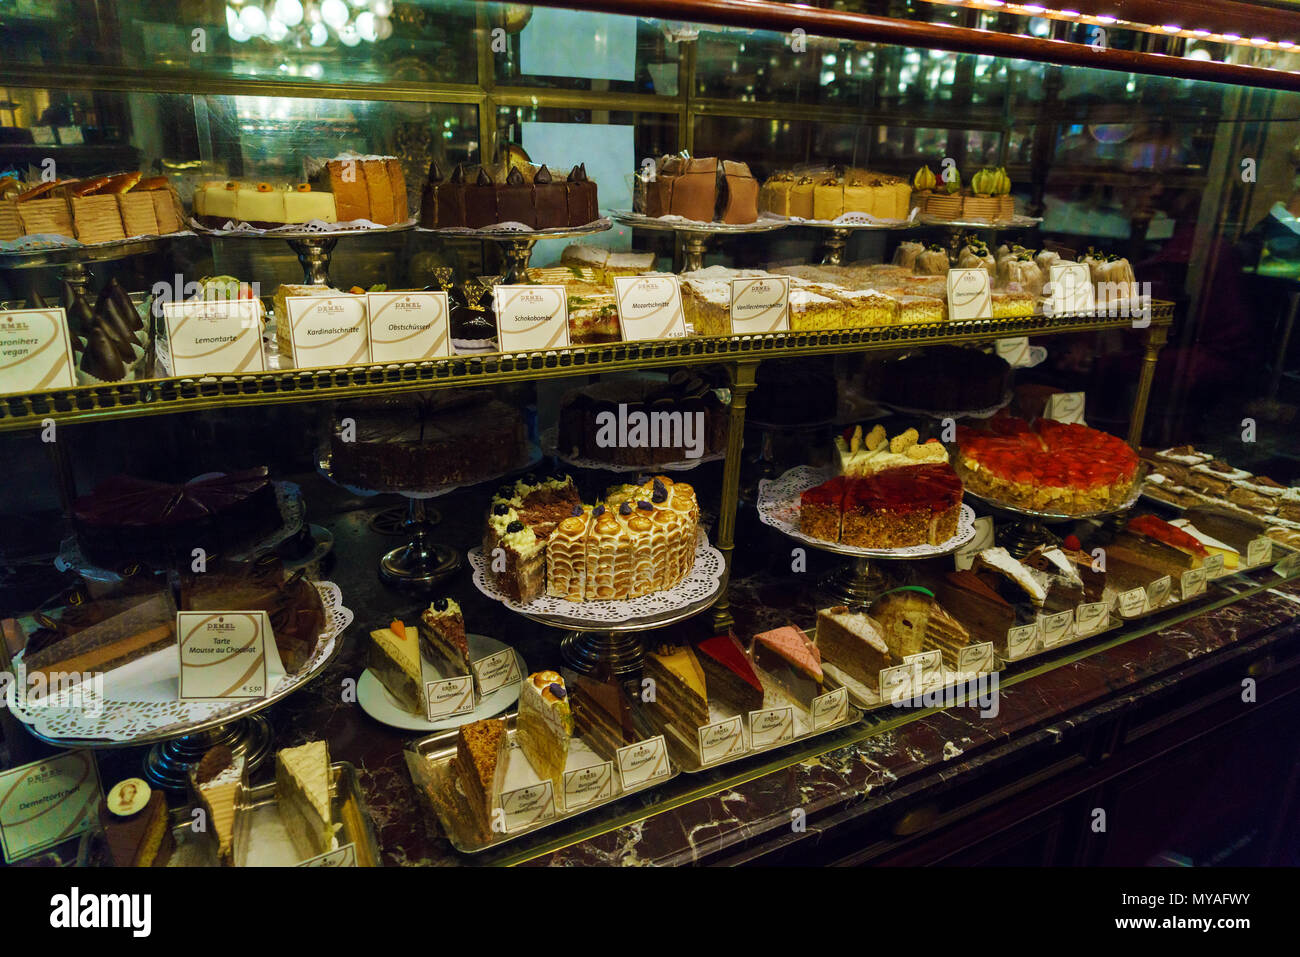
(517, 244)
(838, 234)
(1028, 527)
(314, 247)
(955, 227)
(74, 259)
(694, 234)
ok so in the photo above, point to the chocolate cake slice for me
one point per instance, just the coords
(728, 672)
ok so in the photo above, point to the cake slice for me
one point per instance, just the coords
(524, 577)
(302, 792)
(544, 727)
(394, 659)
(1010, 578)
(680, 693)
(792, 660)
(479, 766)
(728, 672)
(602, 715)
(218, 780)
(1158, 530)
(1231, 556)
(912, 621)
(852, 641)
(442, 633)
(135, 825)
(982, 610)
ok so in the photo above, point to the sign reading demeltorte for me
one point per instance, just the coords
(649, 307)
(760, 305)
(35, 350)
(326, 332)
(223, 654)
(47, 802)
(408, 326)
(531, 317)
(214, 336)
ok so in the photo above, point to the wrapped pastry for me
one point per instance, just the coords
(933, 261)
(1021, 273)
(977, 254)
(906, 254)
(1045, 260)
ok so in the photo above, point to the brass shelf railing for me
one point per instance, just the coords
(144, 397)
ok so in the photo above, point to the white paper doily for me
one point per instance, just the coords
(778, 506)
(74, 713)
(236, 229)
(702, 582)
(550, 441)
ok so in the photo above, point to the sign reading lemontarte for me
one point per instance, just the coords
(969, 294)
(408, 326)
(223, 654)
(531, 317)
(649, 307)
(47, 801)
(214, 336)
(326, 332)
(35, 350)
(760, 305)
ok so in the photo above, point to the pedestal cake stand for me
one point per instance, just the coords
(838, 233)
(517, 244)
(694, 234)
(314, 247)
(605, 635)
(74, 259)
(858, 580)
(1028, 528)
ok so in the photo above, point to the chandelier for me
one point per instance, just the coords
(309, 23)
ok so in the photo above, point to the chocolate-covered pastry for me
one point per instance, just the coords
(100, 357)
(581, 197)
(515, 200)
(451, 199)
(481, 202)
(117, 323)
(550, 204)
(124, 305)
(738, 199)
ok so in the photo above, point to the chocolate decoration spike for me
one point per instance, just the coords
(458, 174)
(578, 174)
(483, 178)
(124, 304)
(515, 178)
(435, 174)
(542, 176)
(38, 301)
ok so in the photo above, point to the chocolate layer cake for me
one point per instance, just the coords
(728, 672)
(945, 378)
(536, 198)
(422, 441)
(980, 608)
(130, 518)
(602, 714)
(135, 825)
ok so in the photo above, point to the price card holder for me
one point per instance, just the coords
(496, 671)
(1058, 628)
(830, 709)
(328, 332)
(47, 802)
(1192, 583)
(722, 739)
(1258, 551)
(526, 806)
(1158, 592)
(1065, 407)
(1090, 618)
(1288, 565)
(1015, 351)
(588, 785)
(1133, 602)
(448, 697)
(771, 726)
(899, 683)
(976, 659)
(1213, 565)
(35, 351)
(649, 307)
(408, 326)
(760, 305)
(642, 762)
(1023, 640)
(226, 655)
(964, 556)
(213, 337)
(531, 318)
(929, 669)
(970, 295)
(345, 856)
(1072, 290)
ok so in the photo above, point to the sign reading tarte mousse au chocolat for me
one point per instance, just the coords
(531, 317)
(408, 326)
(760, 305)
(35, 350)
(328, 331)
(969, 294)
(649, 307)
(47, 802)
(223, 654)
(213, 337)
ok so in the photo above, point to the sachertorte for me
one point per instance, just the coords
(442, 632)
(544, 727)
(136, 827)
(302, 793)
(602, 714)
(729, 673)
(394, 658)
(851, 641)
(980, 608)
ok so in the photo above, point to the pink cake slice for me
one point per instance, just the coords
(793, 646)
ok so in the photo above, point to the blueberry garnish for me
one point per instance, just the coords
(577, 510)
(599, 510)
(440, 604)
(660, 493)
(514, 527)
(557, 689)
(643, 504)
(500, 508)
(530, 479)
(625, 508)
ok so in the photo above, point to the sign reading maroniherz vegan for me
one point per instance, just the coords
(657, 429)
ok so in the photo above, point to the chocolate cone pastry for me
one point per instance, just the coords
(108, 311)
(117, 333)
(100, 358)
(80, 316)
(124, 305)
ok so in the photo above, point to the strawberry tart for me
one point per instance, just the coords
(1048, 466)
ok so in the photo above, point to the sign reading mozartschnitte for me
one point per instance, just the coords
(649, 307)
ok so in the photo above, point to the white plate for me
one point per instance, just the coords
(380, 705)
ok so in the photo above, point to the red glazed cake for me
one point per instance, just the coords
(895, 508)
(821, 508)
(1049, 466)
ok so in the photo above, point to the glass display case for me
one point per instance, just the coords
(1023, 403)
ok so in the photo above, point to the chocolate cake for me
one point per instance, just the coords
(944, 378)
(533, 197)
(135, 824)
(131, 518)
(728, 672)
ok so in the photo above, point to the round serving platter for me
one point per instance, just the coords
(679, 224)
(519, 232)
(550, 439)
(319, 231)
(41, 252)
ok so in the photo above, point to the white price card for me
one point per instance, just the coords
(448, 697)
(1133, 602)
(760, 305)
(531, 317)
(408, 326)
(1288, 565)
(1015, 351)
(976, 659)
(1213, 565)
(526, 806)
(588, 785)
(1258, 551)
(830, 709)
(1158, 592)
(642, 762)
(1090, 618)
(496, 671)
(223, 654)
(48, 801)
(771, 726)
(649, 307)
(327, 332)
(35, 351)
(1072, 292)
(722, 739)
(1022, 639)
(345, 856)
(964, 557)
(970, 295)
(1057, 628)
(1192, 583)
(1065, 407)
(899, 683)
(214, 337)
(929, 665)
